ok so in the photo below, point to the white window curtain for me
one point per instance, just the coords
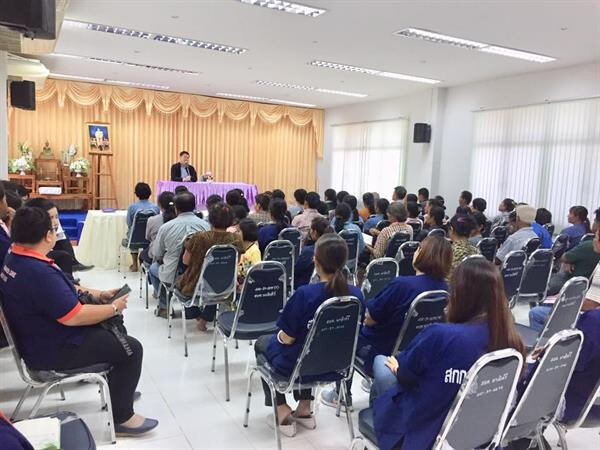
(369, 157)
(545, 155)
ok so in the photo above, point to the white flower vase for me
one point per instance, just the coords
(78, 173)
(22, 172)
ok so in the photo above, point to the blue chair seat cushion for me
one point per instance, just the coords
(305, 381)
(53, 375)
(244, 331)
(365, 424)
(529, 335)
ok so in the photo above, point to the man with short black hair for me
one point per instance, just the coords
(142, 192)
(300, 197)
(479, 204)
(167, 246)
(399, 194)
(183, 171)
(465, 199)
(303, 221)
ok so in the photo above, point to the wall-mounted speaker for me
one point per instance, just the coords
(422, 133)
(22, 95)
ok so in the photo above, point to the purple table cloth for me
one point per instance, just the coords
(203, 190)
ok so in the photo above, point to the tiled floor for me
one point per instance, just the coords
(189, 400)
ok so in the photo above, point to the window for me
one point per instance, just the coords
(369, 157)
(545, 155)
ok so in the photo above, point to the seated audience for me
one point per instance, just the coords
(282, 350)
(143, 193)
(410, 198)
(4, 228)
(54, 330)
(220, 217)
(304, 265)
(213, 200)
(464, 199)
(261, 209)
(434, 219)
(167, 246)
(412, 209)
(542, 233)
(422, 197)
(352, 202)
(239, 214)
(381, 208)
(250, 251)
(461, 227)
(180, 190)
(524, 217)
(278, 221)
(412, 391)
(322, 209)
(580, 225)
(506, 207)
(304, 220)
(386, 312)
(166, 203)
(399, 194)
(330, 199)
(300, 197)
(476, 234)
(341, 221)
(543, 216)
(397, 216)
(479, 204)
(368, 208)
(539, 314)
(278, 193)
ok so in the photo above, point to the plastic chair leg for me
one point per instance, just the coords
(20, 404)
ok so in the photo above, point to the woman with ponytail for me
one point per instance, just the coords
(342, 221)
(580, 225)
(414, 390)
(269, 232)
(283, 349)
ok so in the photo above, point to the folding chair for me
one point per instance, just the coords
(549, 227)
(426, 309)
(531, 246)
(416, 226)
(405, 255)
(437, 232)
(480, 408)
(49, 379)
(536, 276)
(487, 229)
(258, 308)
(315, 278)
(559, 247)
(215, 285)
(563, 315)
(351, 238)
(382, 224)
(500, 233)
(587, 237)
(327, 355)
(380, 272)
(137, 236)
(541, 401)
(512, 273)
(283, 252)
(397, 239)
(562, 427)
(295, 237)
(488, 247)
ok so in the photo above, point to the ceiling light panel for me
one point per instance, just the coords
(289, 7)
(438, 38)
(308, 88)
(366, 71)
(139, 85)
(155, 37)
(125, 63)
(62, 76)
(264, 99)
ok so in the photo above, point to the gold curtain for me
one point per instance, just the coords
(271, 146)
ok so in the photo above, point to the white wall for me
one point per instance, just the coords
(3, 117)
(444, 164)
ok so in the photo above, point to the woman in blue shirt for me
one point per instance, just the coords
(342, 222)
(380, 214)
(578, 217)
(283, 349)
(270, 232)
(415, 389)
(304, 267)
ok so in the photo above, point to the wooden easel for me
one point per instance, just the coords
(98, 175)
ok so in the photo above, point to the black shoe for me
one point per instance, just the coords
(81, 267)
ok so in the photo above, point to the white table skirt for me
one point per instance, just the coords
(101, 238)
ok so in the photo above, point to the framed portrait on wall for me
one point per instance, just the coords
(99, 138)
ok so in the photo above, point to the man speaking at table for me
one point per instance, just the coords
(182, 171)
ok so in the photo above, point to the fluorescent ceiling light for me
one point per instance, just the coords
(155, 36)
(264, 99)
(62, 76)
(124, 63)
(366, 71)
(438, 38)
(289, 7)
(308, 88)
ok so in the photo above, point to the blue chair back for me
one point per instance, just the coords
(587, 237)
(488, 248)
(137, 236)
(426, 309)
(537, 274)
(549, 227)
(398, 238)
(559, 247)
(380, 272)
(487, 229)
(512, 272)
(295, 237)
(416, 226)
(351, 238)
(218, 278)
(405, 255)
(382, 224)
(499, 233)
(283, 252)
(440, 232)
(531, 246)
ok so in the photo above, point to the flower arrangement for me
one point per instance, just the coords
(24, 163)
(79, 166)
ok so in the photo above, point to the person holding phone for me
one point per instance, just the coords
(54, 331)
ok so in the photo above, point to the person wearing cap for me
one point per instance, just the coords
(525, 216)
